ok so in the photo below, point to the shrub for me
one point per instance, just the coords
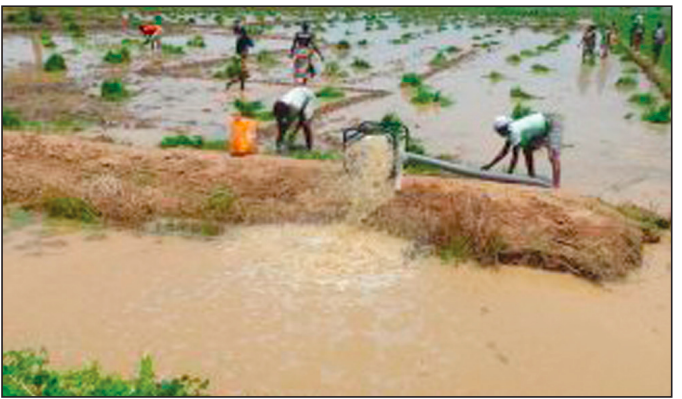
(518, 93)
(182, 141)
(27, 373)
(196, 41)
(411, 79)
(361, 64)
(113, 90)
(644, 99)
(330, 93)
(71, 208)
(10, 119)
(118, 56)
(539, 68)
(658, 115)
(55, 63)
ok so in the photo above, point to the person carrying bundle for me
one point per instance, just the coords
(302, 50)
(529, 134)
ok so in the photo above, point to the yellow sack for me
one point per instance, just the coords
(243, 137)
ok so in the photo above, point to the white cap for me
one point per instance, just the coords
(501, 122)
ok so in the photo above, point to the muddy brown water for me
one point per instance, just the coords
(320, 310)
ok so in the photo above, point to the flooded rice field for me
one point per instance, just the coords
(338, 309)
(320, 310)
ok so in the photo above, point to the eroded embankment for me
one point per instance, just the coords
(490, 222)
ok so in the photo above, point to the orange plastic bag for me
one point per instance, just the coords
(243, 139)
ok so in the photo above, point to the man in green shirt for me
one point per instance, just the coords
(529, 134)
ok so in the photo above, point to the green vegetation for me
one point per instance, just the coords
(28, 373)
(439, 60)
(55, 63)
(514, 59)
(539, 68)
(71, 208)
(46, 40)
(425, 95)
(170, 49)
(267, 59)
(411, 79)
(333, 70)
(518, 93)
(113, 90)
(233, 70)
(196, 41)
(219, 203)
(182, 141)
(661, 114)
(452, 49)
(75, 30)
(360, 64)
(315, 154)
(342, 45)
(494, 76)
(330, 93)
(627, 82)
(643, 99)
(520, 110)
(363, 42)
(11, 119)
(253, 109)
(118, 56)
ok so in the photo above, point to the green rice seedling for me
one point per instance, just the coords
(439, 60)
(55, 63)
(363, 42)
(627, 82)
(476, 37)
(196, 41)
(266, 59)
(333, 70)
(342, 45)
(71, 208)
(452, 49)
(220, 144)
(411, 79)
(514, 59)
(11, 119)
(527, 53)
(182, 141)
(360, 64)
(130, 42)
(425, 95)
(170, 49)
(643, 99)
(315, 155)
(46, 40)
(520, 110)
(330, 93)
(232, 70)
(253, 109)
(631, 70)
(661, 114)
(494, 76)
(219, 19)
(75, 30)
(113, 90)
(539, 68)
(118, 56)
(518, 93)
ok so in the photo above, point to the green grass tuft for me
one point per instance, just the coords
(494, 76)
(182, 141)
(643, 99)
(411, 79)
(514, 59)
(114, 90)
(518, 93)
(539, 68)
(661, 114)
(520, 111)
(11, 119)
(55, 63)
(118, 56)
(71, 208)
(196, 41)
(360, 64)
(627, 82)
(329, 92)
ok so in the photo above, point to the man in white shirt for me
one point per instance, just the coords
(296, 106)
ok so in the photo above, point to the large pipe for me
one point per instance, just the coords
(479, 174)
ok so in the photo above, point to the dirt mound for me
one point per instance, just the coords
(490, 222)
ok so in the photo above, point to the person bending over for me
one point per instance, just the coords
(296, 107)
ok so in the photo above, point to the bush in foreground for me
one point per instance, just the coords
(27, 373)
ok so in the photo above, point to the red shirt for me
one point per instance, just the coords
(150, 30)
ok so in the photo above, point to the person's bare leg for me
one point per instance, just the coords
(530, 164)
(308, 134)
(554, 159)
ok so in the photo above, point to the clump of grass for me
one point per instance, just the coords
(315, 154)
(631, 70)
(452, 49)
(333, 70)
(118, 56)
(513, 59)
(55, 63)
(266, 59)
(130, 42)
(520, 110)
(170, 49)
(71, 208)
(411, 80)
(342, 45)
(363, 42)
(360, 64)
(518, 93)
(253, 109)
(539, 68)
(650, 222)
(527, 53)
(182, 141)
(220, 144)
(661, 114)
(46, 40)
(219, 203)
(425, 95)
(113, 90)
(11, 119)
(196, 41)
(75, 30)
(232, 70)
(627, 82)
(330, 93)
(643, 99)
(494, 76)
(439, 60)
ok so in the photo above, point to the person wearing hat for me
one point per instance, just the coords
(302, 50)
(529, 134)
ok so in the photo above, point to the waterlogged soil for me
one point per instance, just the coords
(328, 310)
